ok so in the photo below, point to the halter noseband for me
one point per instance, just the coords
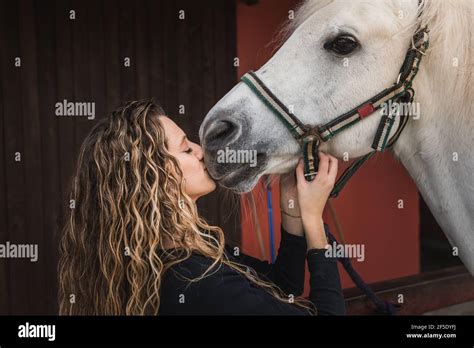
(309, 137)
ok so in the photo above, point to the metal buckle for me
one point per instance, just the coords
(311, 174)
(312, 134)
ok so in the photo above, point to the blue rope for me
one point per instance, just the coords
(382, 307)
(270, 222)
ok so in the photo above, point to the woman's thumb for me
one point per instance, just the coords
(300, 171)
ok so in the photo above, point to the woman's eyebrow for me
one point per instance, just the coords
(183, 139)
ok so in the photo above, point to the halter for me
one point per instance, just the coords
(309, 137)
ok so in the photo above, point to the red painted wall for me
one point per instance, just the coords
(367, 208)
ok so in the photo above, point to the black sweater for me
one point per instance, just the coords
(226, 292)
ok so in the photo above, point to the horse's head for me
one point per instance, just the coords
(339, 54)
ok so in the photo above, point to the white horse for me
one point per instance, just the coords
(320, 81)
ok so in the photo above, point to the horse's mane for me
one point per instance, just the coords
(451, 34)
(451, 39)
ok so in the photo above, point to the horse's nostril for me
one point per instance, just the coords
(222, 132)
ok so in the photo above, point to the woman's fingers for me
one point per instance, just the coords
(323, 164)
(333, 166)
(300, 172)
(327, 169)
(312, 196)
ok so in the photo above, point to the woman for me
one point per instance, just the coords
(134, 243)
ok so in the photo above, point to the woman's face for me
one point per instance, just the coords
(190, 157)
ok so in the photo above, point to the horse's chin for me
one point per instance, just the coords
(240, 181)
(239, 178)
(243, 186)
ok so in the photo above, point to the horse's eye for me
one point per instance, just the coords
(342, 45)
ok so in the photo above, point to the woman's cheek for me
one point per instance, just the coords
(184, 164)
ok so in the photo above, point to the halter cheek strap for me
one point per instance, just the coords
(309, 137)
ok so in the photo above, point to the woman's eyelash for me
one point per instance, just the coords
(189, 150)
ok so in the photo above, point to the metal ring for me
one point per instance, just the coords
(312, 173)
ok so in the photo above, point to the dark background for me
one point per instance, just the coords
(178, 62)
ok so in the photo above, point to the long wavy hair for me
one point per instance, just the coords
(127, 197)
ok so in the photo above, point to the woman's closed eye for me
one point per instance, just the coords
(189, 150)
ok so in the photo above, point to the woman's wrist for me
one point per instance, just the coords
(314, 232)
(311, 217)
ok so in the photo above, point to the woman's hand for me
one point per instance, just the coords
(313, 196)
(289, 205)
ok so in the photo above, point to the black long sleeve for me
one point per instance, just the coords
(325, 284)
(288, 270)
(226, 292)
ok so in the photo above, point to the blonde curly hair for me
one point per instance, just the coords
(129, 198)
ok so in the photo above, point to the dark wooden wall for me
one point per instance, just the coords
(178, 62)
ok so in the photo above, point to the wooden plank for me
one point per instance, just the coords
(4, 272)
(225, 46)
(81, 69)
(32, 162)
(156, 25)
(188, 60)
(127, 49)
(465, 308)
(82, 60)
(15, 171)
(142, 33)
(421, 293)
(208, 59)
(97, 57)
(169, 46)
(113, 60)
(45, 26)
(65, 91)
